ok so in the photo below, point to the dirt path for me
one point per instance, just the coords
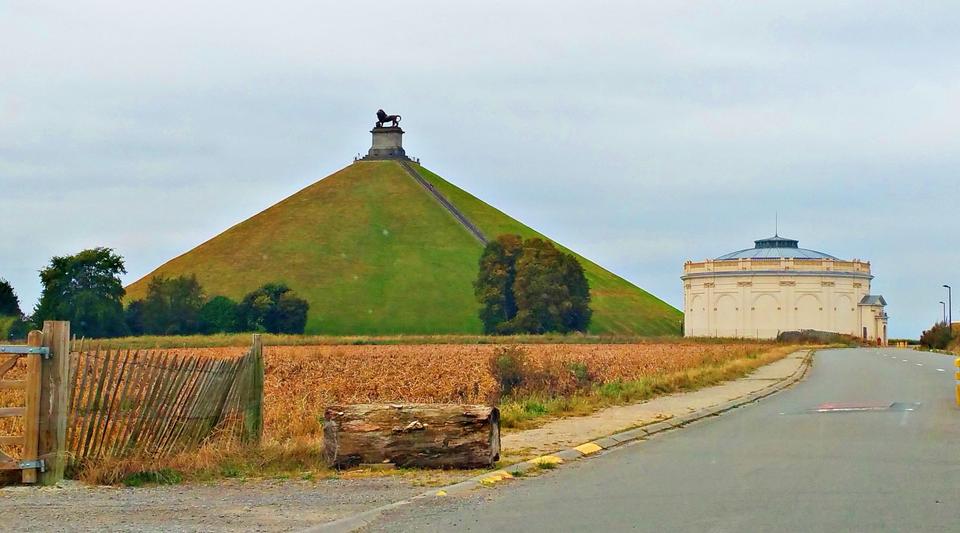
(277, 505)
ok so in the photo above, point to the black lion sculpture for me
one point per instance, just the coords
(384, 117)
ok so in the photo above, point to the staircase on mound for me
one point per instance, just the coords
(452, 209)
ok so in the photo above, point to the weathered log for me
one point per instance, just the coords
(422, 435)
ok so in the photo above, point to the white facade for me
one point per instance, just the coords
(777, 287)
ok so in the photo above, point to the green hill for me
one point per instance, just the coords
(375, 253)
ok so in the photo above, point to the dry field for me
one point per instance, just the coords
(12, 398)
(302, 380)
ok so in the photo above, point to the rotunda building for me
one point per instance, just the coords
(777, 286)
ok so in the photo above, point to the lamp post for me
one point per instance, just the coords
(949, 305)
(943, 310)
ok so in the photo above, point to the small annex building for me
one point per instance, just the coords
(777, 286)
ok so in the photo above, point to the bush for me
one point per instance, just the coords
(581, 373)
(810, 336)
(133, 315)
(219, 315)
(172, 306)
(507, 365)
(163, 476)
(273, 308)
(938, 337)
(13, 328)
(6, 324)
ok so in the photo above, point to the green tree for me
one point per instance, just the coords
(531, 287)
(219, 315)
(938, 337)
(578, 314)
(133, 315)
(9, 303)
(85, 289)
(540, 290)
(494, 284)
(273, 308)
(172, 305)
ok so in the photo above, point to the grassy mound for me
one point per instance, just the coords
(374, 253)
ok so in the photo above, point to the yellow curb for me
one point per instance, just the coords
(441, 493)
(499, 475)
(588, 448)
(547, 459)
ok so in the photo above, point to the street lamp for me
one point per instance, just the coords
(943, 309)
(949, 305)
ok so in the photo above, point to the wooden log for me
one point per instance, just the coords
(420, 435)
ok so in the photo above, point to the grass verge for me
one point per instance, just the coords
(533, 410)
(213, 461)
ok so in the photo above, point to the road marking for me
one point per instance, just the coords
(904, 360)
(919, 364)
(941, 370)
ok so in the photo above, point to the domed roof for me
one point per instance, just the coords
(775, 247)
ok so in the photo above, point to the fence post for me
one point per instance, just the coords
(253, 396)
(31, 417)
(54, 400)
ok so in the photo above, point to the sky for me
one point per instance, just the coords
(640, 134)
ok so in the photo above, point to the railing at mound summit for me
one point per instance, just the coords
(86, 405)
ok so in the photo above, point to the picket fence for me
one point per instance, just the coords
(152, 402)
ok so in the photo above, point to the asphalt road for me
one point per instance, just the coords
(857, 463)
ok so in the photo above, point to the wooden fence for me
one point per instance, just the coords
(27, 388)
(84, 405)
(157, 403)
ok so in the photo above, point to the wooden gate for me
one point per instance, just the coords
(25, 390)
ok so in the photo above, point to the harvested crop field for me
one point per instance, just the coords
(12, 425)
(302, 380)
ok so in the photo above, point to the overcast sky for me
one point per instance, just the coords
(640, 134)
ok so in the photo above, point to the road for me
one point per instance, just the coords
(829, 454)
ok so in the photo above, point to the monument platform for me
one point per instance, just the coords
(387, 144)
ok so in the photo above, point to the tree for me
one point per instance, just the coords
(219, 315)
(172, 306)
(9, 303)
(579, 313)
(531, 287)
(273, 308)
(540, 290)
(86, 290)
(938, 337)
(133, 316)
(494, 284)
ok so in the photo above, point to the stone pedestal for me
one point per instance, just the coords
(387, 144)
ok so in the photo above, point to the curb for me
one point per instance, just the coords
(586, 449)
